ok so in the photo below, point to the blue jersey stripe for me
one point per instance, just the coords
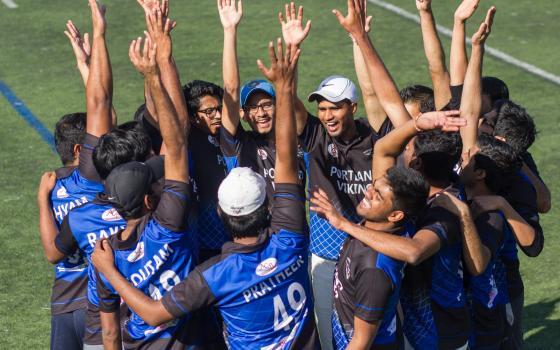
(369, 308)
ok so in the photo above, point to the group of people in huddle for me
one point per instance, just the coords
(232, 217)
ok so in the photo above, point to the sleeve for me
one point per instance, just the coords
(443, 223)
(231, 144)
(490, 227)
(65, 241)
(455, 102)
(191, 294)
(311, 134)
(172, 208)
(109, 300)
(385, 128)
(86, 167)
(373, 290)
(288, 209)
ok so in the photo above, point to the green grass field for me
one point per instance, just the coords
(37, 63)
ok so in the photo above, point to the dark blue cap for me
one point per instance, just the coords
(256, 85)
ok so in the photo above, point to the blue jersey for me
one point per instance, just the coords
(262, 290)
(71, 190)
(367, 285)
(433, 298)
(156, 256)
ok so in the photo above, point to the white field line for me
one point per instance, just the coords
(500, 55)
(10, 4)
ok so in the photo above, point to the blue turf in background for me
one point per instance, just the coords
(27, 115)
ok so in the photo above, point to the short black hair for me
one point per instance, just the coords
(128, 142)
(142, 116)
(495, 88)
(497, 159)
(197, 89)
(410, 190)
(516, 126)
(439, 151)
(420, 94)
(249, 225)
(68, 132)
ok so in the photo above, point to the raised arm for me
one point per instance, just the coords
(375, 113)
(434, 54)
(99, 89)
(391, 146)
(47, 226)
(471, 102)
(458, 58)
(281, 73)
(294, 33)
(385, 88)
(230, 16)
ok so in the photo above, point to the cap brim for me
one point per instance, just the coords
(314, 96)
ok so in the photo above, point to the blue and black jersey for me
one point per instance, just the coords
(367, 285)
(258, 152)
(262, 290)
(488, 291)
(433, 297)
(343, 171)
(73, 188)
(155, 257)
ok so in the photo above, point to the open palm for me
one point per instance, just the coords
(230, 16)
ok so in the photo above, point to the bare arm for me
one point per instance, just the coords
(383, 84)
(458, 58)
(111, 329)
(364, 334)
(230, 16)
(544, 200)
(47, 225)
(281, 73)
(99, 89)
(471, 102)
(435, 54)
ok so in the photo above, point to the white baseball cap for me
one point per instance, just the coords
(242, 192)
(335, 89)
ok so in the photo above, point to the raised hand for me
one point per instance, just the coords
(483, 204)
(479, 38)
(451, 203)
(159, 29)
(423, 5)
(443, 120)
(282, 66)
(355, 21)
(98, 11)
(323, 206)
(102, 257)
(292, 26)
(80, 45)
(230, 16)
(466, 10)
(144, 61)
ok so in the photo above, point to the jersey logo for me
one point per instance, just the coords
(262, 154)
(137, 254)
(61, 192)
(333, 151)
(368, 152)
(110, 215)
(347, 268)
(213, 141)
(266, 267)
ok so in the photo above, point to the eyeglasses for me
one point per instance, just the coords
(266, 107)
(211, 112)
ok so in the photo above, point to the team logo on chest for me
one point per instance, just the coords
(61, 192)
(110, 215)
(333, 150)
(368, 152)
(262, 153)
(137, 254)
(267, 267)
(213, 141)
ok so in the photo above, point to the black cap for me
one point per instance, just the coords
(495, 88)
(128, 183)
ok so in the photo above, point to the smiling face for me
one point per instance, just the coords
(377, 204)
(259, 112)
(337, 118)
(209, 115)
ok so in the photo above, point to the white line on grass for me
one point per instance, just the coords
(10, 4)
(500, 55)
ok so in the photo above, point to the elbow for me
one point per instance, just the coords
(544, 206)
(414, 256)
(111, 334)
(153, 321)
(53, 256)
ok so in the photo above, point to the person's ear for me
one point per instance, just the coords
(395, 216)
(354, 106)
(243, 115)
(501, 138)
(148, 202)
(480, 174)
(77, 150)
(415, 163)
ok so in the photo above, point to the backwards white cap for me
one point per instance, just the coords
(242, 192)
(335, 89)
